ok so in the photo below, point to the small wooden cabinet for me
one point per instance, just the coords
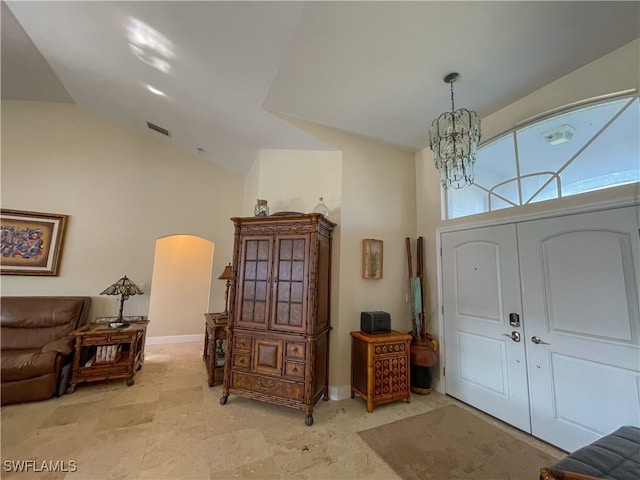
(278, 334)
(380, 367)
(215, 345)
(103, 353)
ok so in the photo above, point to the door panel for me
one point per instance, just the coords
(576, 378)
(291, 265)
(569, 309)
(478, 281)
(484, 366)
(580, 278)
(254, 278)
(476, 355)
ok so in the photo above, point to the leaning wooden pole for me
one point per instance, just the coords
(416, 333)
(420, 273)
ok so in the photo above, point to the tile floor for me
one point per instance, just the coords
(170, 425)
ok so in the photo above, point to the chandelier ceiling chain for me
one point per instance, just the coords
(454, 138)
(452, 104)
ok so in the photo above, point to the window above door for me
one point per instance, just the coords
(590, 147)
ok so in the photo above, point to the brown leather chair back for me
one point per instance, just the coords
(32, 322)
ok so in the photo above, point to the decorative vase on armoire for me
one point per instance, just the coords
(261, 209)
(322, 208)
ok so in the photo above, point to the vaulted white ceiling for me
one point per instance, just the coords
(226, 68)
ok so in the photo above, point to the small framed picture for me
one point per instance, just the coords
(371, 258)
(31, 242)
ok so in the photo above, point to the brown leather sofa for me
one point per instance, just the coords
(615, 456)
(35, 344)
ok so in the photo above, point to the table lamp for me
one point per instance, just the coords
(227, 274)
(123, 287)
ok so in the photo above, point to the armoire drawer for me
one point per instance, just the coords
(241, 360)
(294, 369)
(242, 342)
(268, 385)
(295, 350)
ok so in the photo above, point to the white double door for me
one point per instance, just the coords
(542, 323)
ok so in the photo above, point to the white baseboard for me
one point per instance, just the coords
(198, 337)
(339, 393)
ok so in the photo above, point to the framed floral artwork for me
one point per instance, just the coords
(31, 242)
(371, 258)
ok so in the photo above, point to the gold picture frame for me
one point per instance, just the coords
(31, 242)
(372, 258)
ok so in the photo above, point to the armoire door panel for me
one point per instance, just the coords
(254, 277)
(292, 265)
(267, 356)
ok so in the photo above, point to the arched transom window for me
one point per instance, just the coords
(586, 148)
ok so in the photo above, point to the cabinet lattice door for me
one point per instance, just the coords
(291, 284)
(255, 274)
(391, 375)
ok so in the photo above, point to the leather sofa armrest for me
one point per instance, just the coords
(63, 346)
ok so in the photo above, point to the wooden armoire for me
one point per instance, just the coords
(278, 332)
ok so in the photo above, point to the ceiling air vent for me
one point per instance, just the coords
(158, 129)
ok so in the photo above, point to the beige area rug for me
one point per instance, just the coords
(450, 443)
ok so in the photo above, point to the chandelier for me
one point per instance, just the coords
(454, 138)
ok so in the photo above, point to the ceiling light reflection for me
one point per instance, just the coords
(155, 90)
(150, 46)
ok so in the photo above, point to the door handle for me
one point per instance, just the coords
(539, 341)
(515, 336)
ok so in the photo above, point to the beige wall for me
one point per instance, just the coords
(376, 199)
(251, 189)
(122, 191)
(292, 180)
(615, 72)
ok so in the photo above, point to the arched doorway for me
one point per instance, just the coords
(181, 284)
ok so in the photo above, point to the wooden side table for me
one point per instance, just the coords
(215, 349)
(103, 353)
(380, 367)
